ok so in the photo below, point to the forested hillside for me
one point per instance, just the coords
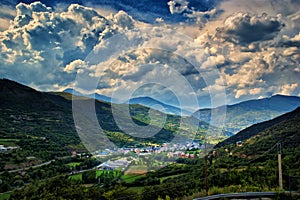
(250, 166)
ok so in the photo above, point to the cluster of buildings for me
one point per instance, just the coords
(120, 164)
(181, 154)
(173, 150)
(133, 153)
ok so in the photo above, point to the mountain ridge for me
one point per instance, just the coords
(142, 100)
(53, 111)
(97, 96)
(259, 127)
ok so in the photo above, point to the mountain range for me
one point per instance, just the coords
(247, 113)
(238, 116)
(93, 96)
(155, 104)
(50, 114)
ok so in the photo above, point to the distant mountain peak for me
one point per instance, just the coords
(93, 95)
(152, 103)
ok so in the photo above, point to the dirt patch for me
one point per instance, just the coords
(22, 165)
(138, 170)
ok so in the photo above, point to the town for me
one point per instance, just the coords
(149, 157)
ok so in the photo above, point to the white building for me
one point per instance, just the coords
(2, 148)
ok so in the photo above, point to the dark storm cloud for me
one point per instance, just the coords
(245, 28)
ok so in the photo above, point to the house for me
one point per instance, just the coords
(3, 149)
(144, 154)
(103, 154)
(192, 156)
(239, 143)
(105, 167)
(11, 148)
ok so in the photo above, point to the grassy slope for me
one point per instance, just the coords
(249, 168)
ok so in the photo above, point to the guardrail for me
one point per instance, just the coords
(239, 195)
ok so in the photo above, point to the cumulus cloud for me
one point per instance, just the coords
(245, 28)
(44, 45)
(260, 54)
(261, 73)
(290, 51)
(124, 20)
(145, 51)
(255, 91)
(47, 48)
(250, 70)
(213, 61)
(76, 66)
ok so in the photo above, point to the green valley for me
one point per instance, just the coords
(46, 132)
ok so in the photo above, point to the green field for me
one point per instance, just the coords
(73, 164)
(76, 177)
(115, 173)
(99, 172)
(8, 141)
(5, 196)
(130, 178)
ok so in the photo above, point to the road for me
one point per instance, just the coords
(26, 168)
(34, 166)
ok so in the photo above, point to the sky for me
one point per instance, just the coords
(196, 53)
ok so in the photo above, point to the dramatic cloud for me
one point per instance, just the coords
(152, 55)
(247, 28)
(260, 50)
(41, 42)
(254, 53)
(145, 10)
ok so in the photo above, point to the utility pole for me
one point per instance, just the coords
(206, 173)
(279, 166)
